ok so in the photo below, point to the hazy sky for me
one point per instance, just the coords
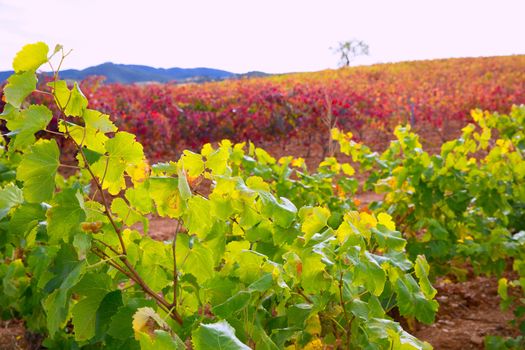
(269, 35)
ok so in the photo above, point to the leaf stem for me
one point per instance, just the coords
(306, 297)
(43, 92)
(69, 166)
(347, 319)
(54, 132)
(175, 273)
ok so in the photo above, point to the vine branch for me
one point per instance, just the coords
(129, 269)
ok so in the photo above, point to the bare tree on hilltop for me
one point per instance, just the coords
(350, 50)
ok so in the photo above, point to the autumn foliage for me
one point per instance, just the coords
(433, 95)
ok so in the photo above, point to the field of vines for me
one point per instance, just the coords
(435, 97)
(261, 252)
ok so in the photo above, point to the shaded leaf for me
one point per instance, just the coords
(215, 336)
(10, 196)
(65, 216)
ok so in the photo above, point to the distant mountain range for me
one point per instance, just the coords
(130, 73)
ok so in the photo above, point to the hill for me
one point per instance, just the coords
(129, 73)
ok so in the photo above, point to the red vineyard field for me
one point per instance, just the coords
(435, 96)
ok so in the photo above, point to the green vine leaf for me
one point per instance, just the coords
(93, 287)
(66, 215)
(98, 121)
(24, 127)
(10, 196)
(72, 102)
(123, 152)
(200, 263)
(214, 336)
(160, 340)
(234, 304)
(412, 302)
(19, 86)
(56, 304)
(422, 269)
(37, 171)
(314, 219)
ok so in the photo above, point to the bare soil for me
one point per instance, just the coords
(13, 336)
(468, 311)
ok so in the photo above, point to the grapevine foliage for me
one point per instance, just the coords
(247, 267)
(468, 200)
(435, 96)
(264, 254)
(464, 205)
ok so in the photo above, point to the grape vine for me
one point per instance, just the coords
(245, 268)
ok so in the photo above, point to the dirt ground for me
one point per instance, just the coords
(13, 336)
(468, 312)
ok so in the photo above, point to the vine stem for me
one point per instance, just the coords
(129, 271)
(54, 132)
(175, 273)
(160, 301)
(107, 246)
(110, 260)
(134, 275)
(341, 300)
(69, 166)
(306, 297)
(43, 92)
(107, 208)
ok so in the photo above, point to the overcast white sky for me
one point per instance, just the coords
(268, 35)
